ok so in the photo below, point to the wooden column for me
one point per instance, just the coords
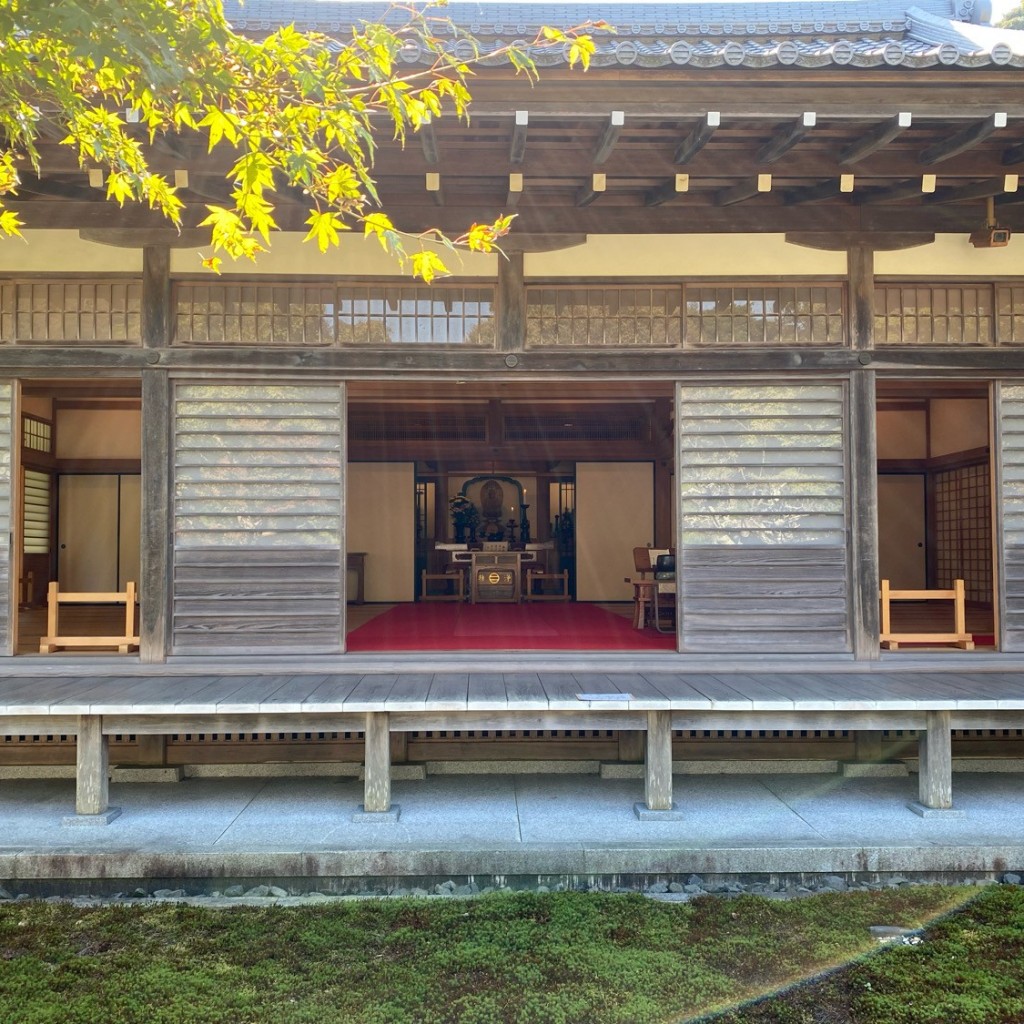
(863, 448)
(860, 266)
(542, 513)
(155, 553)
(377, 763)
(863, 469)
(511, 303)
(664, 446)
(631, 745)
(935, 750)
(92, 774)
(157, 315)
(658, 762)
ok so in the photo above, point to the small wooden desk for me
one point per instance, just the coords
(645, 594)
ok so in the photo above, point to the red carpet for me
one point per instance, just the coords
(437, 626)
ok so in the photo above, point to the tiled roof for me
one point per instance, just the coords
(803, 33)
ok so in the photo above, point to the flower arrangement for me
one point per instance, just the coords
(463, 512)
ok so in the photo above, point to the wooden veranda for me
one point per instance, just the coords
(651, 703)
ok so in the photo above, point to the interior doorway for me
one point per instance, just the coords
(80, 508)
(935, 502)
(560, 481)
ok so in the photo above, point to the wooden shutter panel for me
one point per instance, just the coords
(257, 504)
(762, 476)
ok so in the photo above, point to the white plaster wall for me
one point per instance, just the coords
(958, 425)
(380, 505)
(614, 514)
(953, 255)
(765, 255)
(55, 252)
(902, 434)
(99, 434)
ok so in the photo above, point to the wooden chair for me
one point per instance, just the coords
(541, 576)
(960, 637)
(54, 599)
(453, 577)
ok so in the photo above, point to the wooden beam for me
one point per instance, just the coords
(864, 611)
(428, 139)
(669, 190)
(586, 195)
(139, 238)
(744, 190)
(785, 138)
(697, 139)
(879, 136)
(610, 135)
(976, 190)
(517, 150)
(963, 140)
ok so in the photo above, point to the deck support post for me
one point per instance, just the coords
(377, 804)
(935, 767)
(657, 805)
(92, 775)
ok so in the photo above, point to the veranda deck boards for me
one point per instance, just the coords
(412, 692)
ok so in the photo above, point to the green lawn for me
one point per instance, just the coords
(525, 957)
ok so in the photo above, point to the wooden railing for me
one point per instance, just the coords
(960, 637)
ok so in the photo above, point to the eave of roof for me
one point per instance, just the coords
(775, 33)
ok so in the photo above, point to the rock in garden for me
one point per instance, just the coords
(259, 890)
(278, 892)
(658, 887)
(1010, 878)
(835, 882)
(234, 890)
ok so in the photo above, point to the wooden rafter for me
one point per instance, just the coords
(744, 190)
(963, 140)
(667, 191)
(428, 139)
(610, 135)
(517, 149)
(909, 189)
(1014, 154)
(878, 137)
(586, 195)
(786, 137)
(827, 189)
(698, 138)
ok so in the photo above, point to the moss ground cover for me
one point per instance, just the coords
(561, 958)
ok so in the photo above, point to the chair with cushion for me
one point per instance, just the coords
(664, 590)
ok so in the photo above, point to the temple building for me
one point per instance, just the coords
(761, 310)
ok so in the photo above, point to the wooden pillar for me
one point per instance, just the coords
(863, 448)
(631, 745)
(658, 762)
(155, 552)
(511, 303)
(157, 315)
(662, 435)
(935, 751)
(863, 469)
(152, 750)
(377, 763)
(92, 773)
(398, 745)
(542, 513)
